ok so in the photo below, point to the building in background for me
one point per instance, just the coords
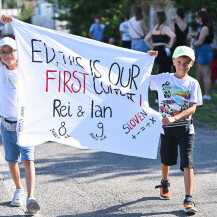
(42, 15)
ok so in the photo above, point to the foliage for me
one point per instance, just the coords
(80, 14)
(206, 113)
(195, 5)
(6, 4)
(26, 14)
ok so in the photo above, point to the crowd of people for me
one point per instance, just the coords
(135, 34)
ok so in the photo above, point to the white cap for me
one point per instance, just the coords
(8, 41)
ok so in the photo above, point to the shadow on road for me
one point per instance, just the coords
(85, 163)
(7, 203)
(68, 162)
(117, 208)
(12, 215)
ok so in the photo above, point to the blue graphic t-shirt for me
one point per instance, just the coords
(175, 95)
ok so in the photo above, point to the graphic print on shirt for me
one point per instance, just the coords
(13, 84)
(176, 100)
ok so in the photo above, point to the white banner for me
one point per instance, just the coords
(84, 93)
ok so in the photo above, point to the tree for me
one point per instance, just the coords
(80, 14)
(26, 13)
(195, 5)
(6, 4)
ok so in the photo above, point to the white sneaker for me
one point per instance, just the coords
(18, 199)
(206, 97)
(32, 206)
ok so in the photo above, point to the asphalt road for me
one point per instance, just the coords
(89, 183)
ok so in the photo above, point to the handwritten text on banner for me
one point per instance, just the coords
(84, 93)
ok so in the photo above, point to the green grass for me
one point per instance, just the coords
(207, 113)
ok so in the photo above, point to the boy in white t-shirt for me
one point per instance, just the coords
(8, 113)
(179, 94)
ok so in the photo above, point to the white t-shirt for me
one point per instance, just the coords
(125, 29)
(135, 28)
(175, 95)
(8, 92)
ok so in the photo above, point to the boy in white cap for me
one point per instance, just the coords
(179, 94)
(8, 112)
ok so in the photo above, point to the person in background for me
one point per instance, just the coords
(214, 67)
(97, 29)
(8, 112)
(205, 9)
(105, 39)
(180, 28)
(193, 35)
(203, 50)
(111, 41)
(138, 30)
(124, 33)
(163, 39)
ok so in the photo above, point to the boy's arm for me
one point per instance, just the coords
(191, 110)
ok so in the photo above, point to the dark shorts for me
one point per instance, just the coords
(164, 62)
(126, 44)
(169, 150)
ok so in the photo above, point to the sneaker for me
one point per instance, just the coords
(32, 206)
(164, 191)
(18, 199)
(206, 97)
(189, 206)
